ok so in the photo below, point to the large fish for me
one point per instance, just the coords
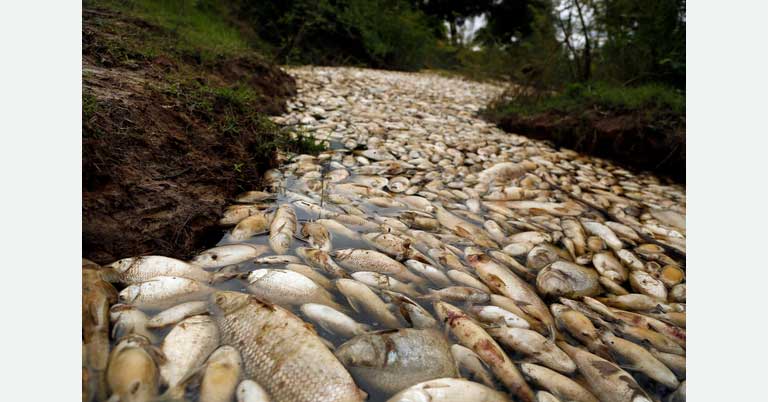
(281, 352)
(392, 360)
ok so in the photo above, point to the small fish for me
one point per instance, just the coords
(604, 232)
(282, 229)
(163, 292)
(176, 314)
(470, 335)
(236, 213)
(381, 281)
(229, 254)
(433, 274)
(499, 316)
(186, 348)
(361, 298)
(222, 372)
(458, 294)
(449, 390)
(534, 346)
(250, 226)
(558, 384)
(333, 321)
(375, 261)
(608, 382)
(471, 366)
(133, 372)
(639, 359)
(317, 235)
(288, 288)
(128, 320)
(138, 269)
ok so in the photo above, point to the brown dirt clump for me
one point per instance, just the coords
(167, 140)
(638, 140)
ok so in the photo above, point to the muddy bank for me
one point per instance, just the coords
(167, 137)
(637, 140)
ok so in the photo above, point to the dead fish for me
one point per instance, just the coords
(289, 361)
(128, 320)
(96, 298)
(317, 235)
(649, 338)
(288, 288)
(604, 232)
(671, 275)
(505, 171)
(465, 279)
(643, 283)
(574, 231)
(395, 359)
(499, 316)
(163, 292)
(607, 381)
(580, 327)
(562, 278)
(133, 372)
(336, 176)
(470, 334)
(558, 384)
(449, 390)
(433, 274)
(253, 196)
(361, 298)
(333, 321)
(250, 226)
(501, 280)
(221, 374)
(412, 312)
(630, 260)
(376, 154)
(471, 366)
(139, 269)
(389, 243)
(463, 228)
(634, 302)
(609, 266)
(251, 391)
(339, 229)
(677, 363)
(313, 274)
(375, 261)
(381, 281)
(320, 259)
(229, 254)
(680, 395)
(544, 396)
(176, 314)
(678, 293)
(639, 359)
(513, 264)
(534, 346)
(458, 294)
(282, 229)
(236, 213)
(277, 259)
(186, 348)
(539, 257)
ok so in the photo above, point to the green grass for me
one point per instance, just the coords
(199, 26)
(579, 97)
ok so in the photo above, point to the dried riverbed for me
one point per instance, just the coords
(523, 271)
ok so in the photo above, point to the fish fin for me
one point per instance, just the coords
(352, 304)
(224, 276)
(552, 333)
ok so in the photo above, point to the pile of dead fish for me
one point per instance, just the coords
(427, 256)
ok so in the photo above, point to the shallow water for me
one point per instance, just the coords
(461, 125)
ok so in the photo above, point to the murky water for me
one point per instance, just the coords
(427, 125)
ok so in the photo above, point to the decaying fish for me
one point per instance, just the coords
(534, 346)
(471, 335)
(317, 235)
(96, 298)
(163, 292)
(133, 372)
(282, 229)
(639, 359)
(287, 357)
(470, 365)
(229, 254)
(449, 390)
(567, 279)
(392, 360)
(128, 320)
(185, 348)
(139, 269)
(558, 384)
(361, 298)
(332, 320)
(176, 314)
(221, 374)
(288, 288)
(250, 226)
(375, 261)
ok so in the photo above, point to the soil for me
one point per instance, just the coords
(157, 172)
(638, 140)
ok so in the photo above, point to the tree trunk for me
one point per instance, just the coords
(586, 56)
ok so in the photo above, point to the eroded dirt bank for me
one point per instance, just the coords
(167, 137)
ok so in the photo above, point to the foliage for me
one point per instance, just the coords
(200, 27)
(598, 95)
